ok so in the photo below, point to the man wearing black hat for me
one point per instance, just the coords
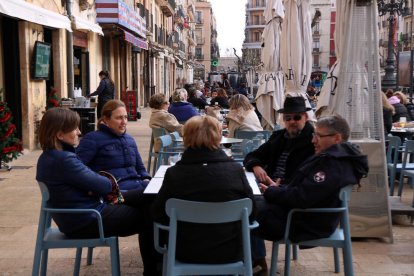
(278, 159)
(281, 155)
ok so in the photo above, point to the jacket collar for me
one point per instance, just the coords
(204, 155)
(104, 128)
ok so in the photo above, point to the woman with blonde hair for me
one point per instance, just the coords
(204, 173)
(242, 115)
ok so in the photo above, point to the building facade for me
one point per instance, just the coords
(148, 46)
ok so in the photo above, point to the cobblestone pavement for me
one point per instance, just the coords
(19, 211)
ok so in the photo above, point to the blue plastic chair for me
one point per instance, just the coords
(166, 150)
(406, 168)
(206, 213)
(156, 132)
(393, 152)
(341, 238)
(50, 237)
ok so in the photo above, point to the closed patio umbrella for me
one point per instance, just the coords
(270, 94)
(326, 100)
(296, 48)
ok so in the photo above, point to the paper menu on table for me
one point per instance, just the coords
(253, 184)
(154, 185)
(161, 171)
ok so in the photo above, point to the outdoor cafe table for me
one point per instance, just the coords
(403, 133)
(155, 184)
(224, 140)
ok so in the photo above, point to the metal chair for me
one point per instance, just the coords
(341, 238)
(393, 147)
(50, 237)
(205, 213)
(156, 132)
(406, 168)
(166, 150)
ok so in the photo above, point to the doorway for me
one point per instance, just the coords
(12, 88)
(81, 70)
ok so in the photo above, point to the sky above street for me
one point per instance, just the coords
(230, 17)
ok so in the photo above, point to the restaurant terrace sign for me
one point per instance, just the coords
(118, 12)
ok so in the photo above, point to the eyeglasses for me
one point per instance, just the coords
(319, 136)
(296, 117)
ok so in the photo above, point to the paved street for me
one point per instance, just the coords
(19, 211)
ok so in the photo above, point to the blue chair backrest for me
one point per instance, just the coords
(393, 145)
(208, 212)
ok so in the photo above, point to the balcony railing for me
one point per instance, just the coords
(316, 50)
(255, 23)
(160, 35)
(199, 56)
(167, 6)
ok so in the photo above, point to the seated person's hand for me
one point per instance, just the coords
(268, 183)
(260, 174)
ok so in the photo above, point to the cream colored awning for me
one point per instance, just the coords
(83, 24)
(32, 13)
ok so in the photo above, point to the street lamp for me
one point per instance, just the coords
(391, 7)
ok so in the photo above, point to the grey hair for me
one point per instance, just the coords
(335, 124)
(180, 95)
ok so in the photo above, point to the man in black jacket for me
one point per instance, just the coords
(287, 148)
(280, 157)
(316, 184)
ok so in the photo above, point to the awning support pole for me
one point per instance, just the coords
(69, 52)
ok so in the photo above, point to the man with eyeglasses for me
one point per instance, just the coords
(316, 184)
(279, 158)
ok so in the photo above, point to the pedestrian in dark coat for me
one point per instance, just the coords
(316, 184)
(105, 91)
(113, 150)
(204, 173)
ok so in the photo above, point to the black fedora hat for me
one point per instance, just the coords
(294, 105)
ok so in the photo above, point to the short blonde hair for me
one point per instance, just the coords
(240, 101)
(202, 132)
(180, 95)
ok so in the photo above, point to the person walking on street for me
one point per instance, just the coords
(105, 91)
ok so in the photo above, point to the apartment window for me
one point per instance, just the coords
(316, 61)
(316, 43)
(257, 36)
(257, 3)
(316, 28)
(198, 52)
(199, 16)
(256, 20)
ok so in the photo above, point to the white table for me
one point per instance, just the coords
(224, 140)
(156, 182)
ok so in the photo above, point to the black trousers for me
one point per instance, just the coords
(130, 218)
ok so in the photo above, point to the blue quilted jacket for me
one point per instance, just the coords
(71, 185)
(103, 150)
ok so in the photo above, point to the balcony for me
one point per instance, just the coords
(148, 20)
(167, 6)
(199, 57)
(406, 12)
(199, 21)
(316, 33)
(316, 66)
(254, 7)
(255, 24)
(160, 35)
(316, 50)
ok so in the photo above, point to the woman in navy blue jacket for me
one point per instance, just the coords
(111, 149)
(73, 185)
(180, 108)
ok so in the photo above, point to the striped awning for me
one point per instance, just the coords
(135, 40)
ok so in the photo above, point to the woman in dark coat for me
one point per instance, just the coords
(204, 173)
(73, 185)
(221, 99)
(400, 109)
(105, 91)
